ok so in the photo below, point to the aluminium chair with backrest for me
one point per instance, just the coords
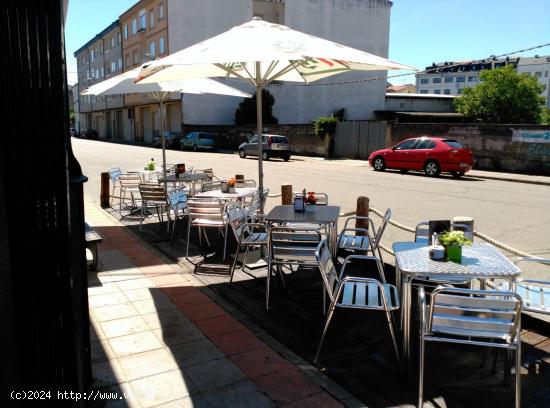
(367, 240)
(206, 213)
(129, 183)
(153, 195)
(247, 234)
(209, 172)
(114, 174)
(472, 317)
(177, 199)
(253, 206)
(246, 183)
(211, 185)
(287, 247)
(353, 292)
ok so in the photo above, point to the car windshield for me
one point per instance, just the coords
(406, 145)
(453, 143)
(279, 139)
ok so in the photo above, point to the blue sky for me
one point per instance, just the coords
(421, 31)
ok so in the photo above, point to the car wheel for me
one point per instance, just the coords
(195, 148)
(378, 164)
(457, 174)
(242, 154)
(265, 156)
(431, 168)
(286, 157)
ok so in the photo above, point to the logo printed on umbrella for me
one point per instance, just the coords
(289, 46)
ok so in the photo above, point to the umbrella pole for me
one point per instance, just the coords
(163, 141)
(260, 138)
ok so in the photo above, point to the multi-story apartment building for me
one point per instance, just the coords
(97, 60)
(539, 67)
(154, 28)
(450, 78)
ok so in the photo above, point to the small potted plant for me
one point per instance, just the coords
(310, 198)
(231, 183)
(453, 241)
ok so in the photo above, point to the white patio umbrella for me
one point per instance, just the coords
(260, 52)
(160, 91)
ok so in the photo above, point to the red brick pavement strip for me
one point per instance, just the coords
(281, 381)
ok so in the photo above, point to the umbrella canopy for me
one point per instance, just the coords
(260, 52)
(160, 91)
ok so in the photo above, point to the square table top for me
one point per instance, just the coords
(315, 214)
(480, 260)
(240, 192)
(185, 177)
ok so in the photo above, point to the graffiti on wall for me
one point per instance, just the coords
(531, 136)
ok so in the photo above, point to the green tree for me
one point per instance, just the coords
(545, 116)
(246, 112)
(503, 96)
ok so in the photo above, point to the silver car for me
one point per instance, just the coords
(272, 146)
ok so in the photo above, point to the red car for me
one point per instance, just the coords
(431, 154)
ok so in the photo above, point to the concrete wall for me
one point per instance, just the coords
(404, 103)
(492, 144)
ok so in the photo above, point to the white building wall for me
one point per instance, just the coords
(540, 69)
(419, 103)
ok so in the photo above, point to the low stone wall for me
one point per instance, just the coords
(492, 144)
(302, 138)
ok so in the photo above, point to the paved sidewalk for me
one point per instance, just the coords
(514, 177)
(158, 338)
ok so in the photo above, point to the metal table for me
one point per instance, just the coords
(313, 214)
(239, 194)
(479, 261)
(185, 178)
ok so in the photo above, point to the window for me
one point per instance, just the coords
(151, 18)
(87, 74)
(161, 45)
(102, 72)
(447, 91)
(436, 80)
(424, 80)
(546, 74)
(113, 66)
(92, 56)
(134, 26)
(152, 49)
(460, 79)
(424, 144)
(135, 57)
(453, 143)
(126, 32)
(119, 38)
(437, 91)
(460, 90)
(406, 145)
(161, 11)
(538, 74)
(96, 73)
(448, 79)
(100, 49)
(127, 59)
(142, 20)
(423, 91)
(120, 63)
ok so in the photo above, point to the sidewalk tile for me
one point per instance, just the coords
(123, 327)
(190, 299)
(259, 362)
(147, 363)
(206, 311)
(101, 289)
(169, 279)
(107, 373)
(214, 374)
(101, 351)
(134, 343)
(238, 342)
(157, 303)
(181, 333)
(287, 385)
(192, 401)
(315, 401)
(195, 352)
(164, 318)
(113, 312)
(242, 395)
(218, 325)
(141, 294)
(132, 284)
(161, 388)
(107, 299)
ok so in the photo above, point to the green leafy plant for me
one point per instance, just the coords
(453, 238)
(503, 96)
(324, 125)
(545, 116)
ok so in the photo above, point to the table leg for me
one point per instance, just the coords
(406, 320)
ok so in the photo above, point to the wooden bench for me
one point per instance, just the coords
(92, 239)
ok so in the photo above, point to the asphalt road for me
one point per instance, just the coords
(515, 213)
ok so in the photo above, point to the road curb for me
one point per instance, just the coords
(512, 179)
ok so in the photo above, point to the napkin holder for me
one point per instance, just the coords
(299, 204)
(225, 186)
(436, 252)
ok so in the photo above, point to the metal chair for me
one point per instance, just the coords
(153, 195)
(474, 317)
(210, 173)
(355, 292)
(253, 207)
(114, 174)
(177, 199)
(211, 185)
(246, 234)
(421, 232)
(206, 213)
(129, 183)
(368, 241)
(290, 246)
(534, 293)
